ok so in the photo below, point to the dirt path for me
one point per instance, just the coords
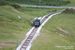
(10, 43)
(63, 30)
(15, 10)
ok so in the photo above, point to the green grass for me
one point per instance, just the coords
(37, 11)
(49, 37)
(36, 2)
(12, 28)
(71, 4)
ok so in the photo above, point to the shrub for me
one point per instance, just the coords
(3, 2)
(66, 2)
(69, 11)
(15, 5)
(54, 10)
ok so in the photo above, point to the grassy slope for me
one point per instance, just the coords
(49, 38)
(9, 21)
(35, 1)
(37, 11)
(12, 29)
(72, 3)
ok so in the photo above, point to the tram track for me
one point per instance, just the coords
(24, 46)
(49, 15)
(33, 32)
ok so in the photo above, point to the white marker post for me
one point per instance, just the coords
(19, 18)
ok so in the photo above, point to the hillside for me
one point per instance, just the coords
(57, 34)
(12, 28)
(41, 2)
(72, 3)
(58, 31)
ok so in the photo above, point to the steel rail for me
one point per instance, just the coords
(29, 38)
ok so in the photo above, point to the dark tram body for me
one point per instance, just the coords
(37, 21)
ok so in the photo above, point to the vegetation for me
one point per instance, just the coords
(69, 11)
(70, 4)
(41, 2)
(3, 2)
(12, 28)
(57, 34)
(16, 6)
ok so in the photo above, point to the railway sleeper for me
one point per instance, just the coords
(46, 16)
(26, 42)
(33, 31)
(24, 46)
(28, 39)
(23, 49)
(32, 34)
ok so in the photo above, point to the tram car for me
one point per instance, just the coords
(37, 21)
